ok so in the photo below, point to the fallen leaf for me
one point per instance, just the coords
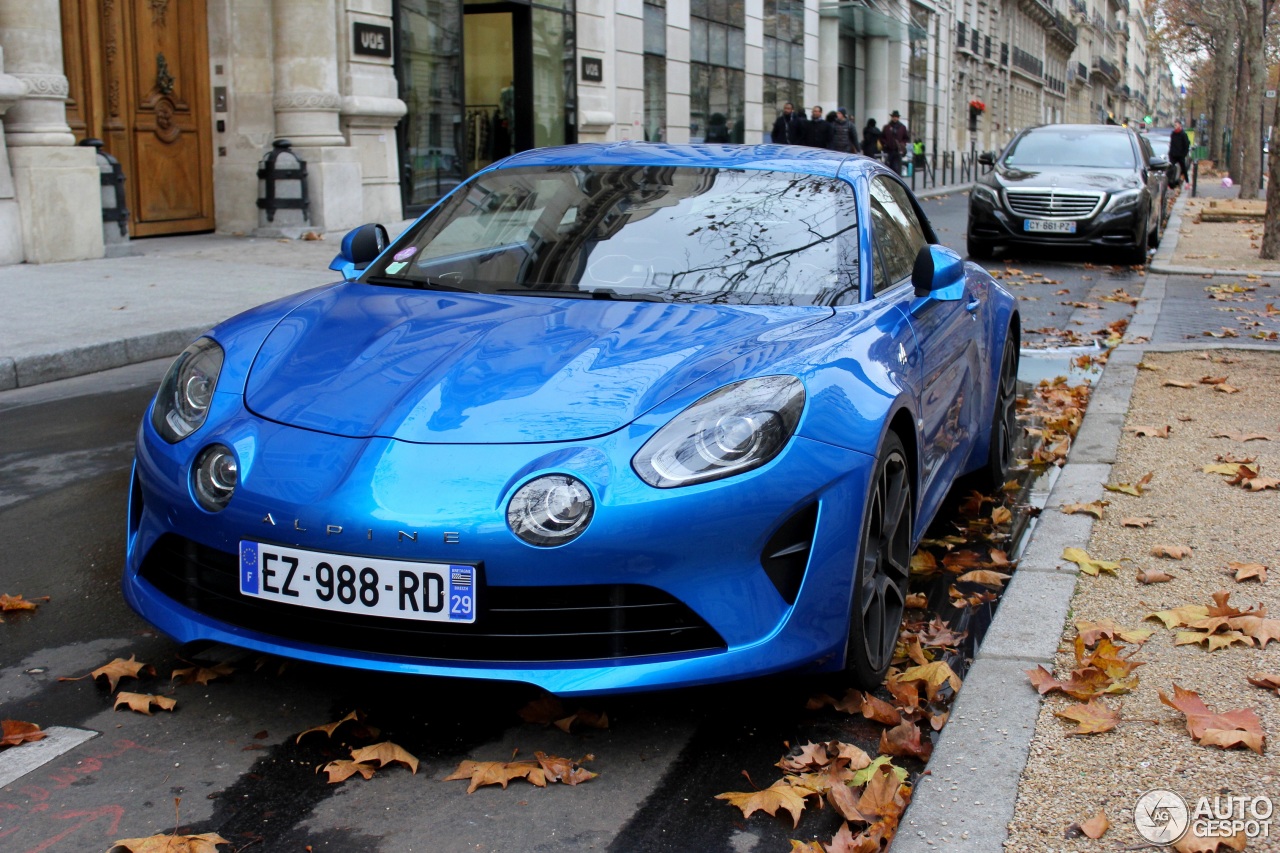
(360, 730)
(1154, 576)
(904, 739)
(385, 753)
(9, 603)
(1135, 489)
(1087, 564)
(1229, 469)
(934, 676)
(1212, 380)
(1235, 436)
(1244, 571)
(481, 773)
(917, 601)
(985, 577)
(923, 563)
(121, 668)
(1140, 521)
(1257, 484)
(1213, 641)
(1093, 508)
(344, 768)
(1180, 617)
(1096, 826)
(1220, 728)
(1173, 552)
(201, 674)
(14, 732)
(1151, 431)
(142, 702)
(1226, 389)
(779, 796)
(1178, 383)
(1090, 719)
(205, 842)
(1091, 632)
(1266, 681)
(565, 770)
(880, 711)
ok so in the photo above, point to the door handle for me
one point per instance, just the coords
(972, 305)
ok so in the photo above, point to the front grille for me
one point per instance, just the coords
(1054, 204)
(513, 623)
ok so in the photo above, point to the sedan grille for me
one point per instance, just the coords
(513, 624)
(1054, 204)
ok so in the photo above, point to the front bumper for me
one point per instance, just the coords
(993, 223)
(578, 618)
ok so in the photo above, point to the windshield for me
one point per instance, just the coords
(1052, 146)
(1159, 144)
(637, 232)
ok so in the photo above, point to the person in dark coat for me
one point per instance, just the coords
(871, 139)
(844, 136)
(817, 132)
(1179, 148)
(789, 128)
(894, 140)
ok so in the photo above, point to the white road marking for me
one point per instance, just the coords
(18, 761)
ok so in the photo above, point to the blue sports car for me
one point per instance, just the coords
(606, 418)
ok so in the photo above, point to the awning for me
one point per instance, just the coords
(862, 19)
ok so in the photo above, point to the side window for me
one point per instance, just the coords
(898, 235)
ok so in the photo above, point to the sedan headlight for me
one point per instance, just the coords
(1124, 200)
(731, 430)
(186, 391)
(985, 193)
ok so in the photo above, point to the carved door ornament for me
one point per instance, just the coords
(164, 80)
(158, 10)
(167, 130)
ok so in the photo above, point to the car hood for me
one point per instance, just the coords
(432, 367)
(1064, 177)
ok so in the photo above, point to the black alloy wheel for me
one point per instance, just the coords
(1158, 234)
(1004, 417)
(1136, 254)
(884, 561)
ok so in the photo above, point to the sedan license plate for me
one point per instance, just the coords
(1049, 226)
(430, 592)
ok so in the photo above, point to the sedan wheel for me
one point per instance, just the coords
(884, 561)
(1004, 419)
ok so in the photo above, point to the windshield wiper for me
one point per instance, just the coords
(416, 283)
(601, 293)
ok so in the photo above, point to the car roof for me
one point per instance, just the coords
(1077, 128)
(785, 158)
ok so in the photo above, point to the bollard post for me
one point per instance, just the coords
(1195, 176)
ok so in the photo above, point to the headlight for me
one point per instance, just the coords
(214, 477)
(186, 391)
(1124, 199)
(984, 192)
(731, 430)
(550, 510)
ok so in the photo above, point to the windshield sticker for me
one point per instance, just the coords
(406, 253)
(392, 269)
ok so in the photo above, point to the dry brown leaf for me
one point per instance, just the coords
(385, 753)
(904, 739)
(1244, 571)
(565, 770)
(1087, 564)
(1178, 383)
(10, 603)
(344, 768)
(14, 732)
(1173, 552)
(1266, 681)
(142, 702)
(1212, 641)
(197, 674)
(779, 796)
(1091, 632)
(482, 773)
(1148, 576)
(1140, 521)
(1090, 719)
(205, 842)
(1093, 508)
(121, 668)
(917, 601)
(1226, 389)
(933, 675)
(1135, 489)
(360, 729)
(1239, 436)
(986, 577)
(1151, 431)
(1232, 728)
(1096, 826)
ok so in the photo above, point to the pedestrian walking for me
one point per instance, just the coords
(871, 139)
(843, 135)
(894, 141)
(1179, 148)
(789, 128)
(817, 132)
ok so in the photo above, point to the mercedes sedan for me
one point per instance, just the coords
(1070, 185)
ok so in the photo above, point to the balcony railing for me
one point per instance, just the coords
(1082, 71)
(1080, 8)
(1065, 27)
(1031, 64)
(1106, 69)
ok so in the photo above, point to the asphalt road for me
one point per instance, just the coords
(228, 751)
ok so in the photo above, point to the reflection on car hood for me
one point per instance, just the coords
(427, 366)
(1064, 177)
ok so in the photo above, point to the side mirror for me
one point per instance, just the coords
(1158, 163)
(938, 272)
(359, 248)
(987, 158)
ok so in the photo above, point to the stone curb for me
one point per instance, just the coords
(26, 371)
(968, 795)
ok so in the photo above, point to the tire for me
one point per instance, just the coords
(1136, 254)
(1001, 453)
(1158, 234)
(978, 249)
(883, 564)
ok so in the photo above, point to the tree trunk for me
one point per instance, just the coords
(1271, 228)
(1224, 90)
(1251, 97)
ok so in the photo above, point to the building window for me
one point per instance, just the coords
(783, 56)
(717, 79)
(655, 70)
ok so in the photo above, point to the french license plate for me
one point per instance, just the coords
(430, 592)
(1049, 226)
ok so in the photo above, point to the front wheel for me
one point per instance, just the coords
(884, 561)
(978, 249)
(1001, 450)
(1136, 255)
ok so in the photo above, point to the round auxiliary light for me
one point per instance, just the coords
(214, 477)
(551, 510)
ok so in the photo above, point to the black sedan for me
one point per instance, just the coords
(1077, 185)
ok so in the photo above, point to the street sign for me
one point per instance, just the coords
(1271, 93)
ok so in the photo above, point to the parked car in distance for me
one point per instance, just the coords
(1083, 185)
(1159, 139)
(606, 418)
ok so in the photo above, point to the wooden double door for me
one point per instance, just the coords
(139, 80)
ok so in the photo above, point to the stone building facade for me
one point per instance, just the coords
(391, 103)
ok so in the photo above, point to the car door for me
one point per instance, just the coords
(945, 332)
